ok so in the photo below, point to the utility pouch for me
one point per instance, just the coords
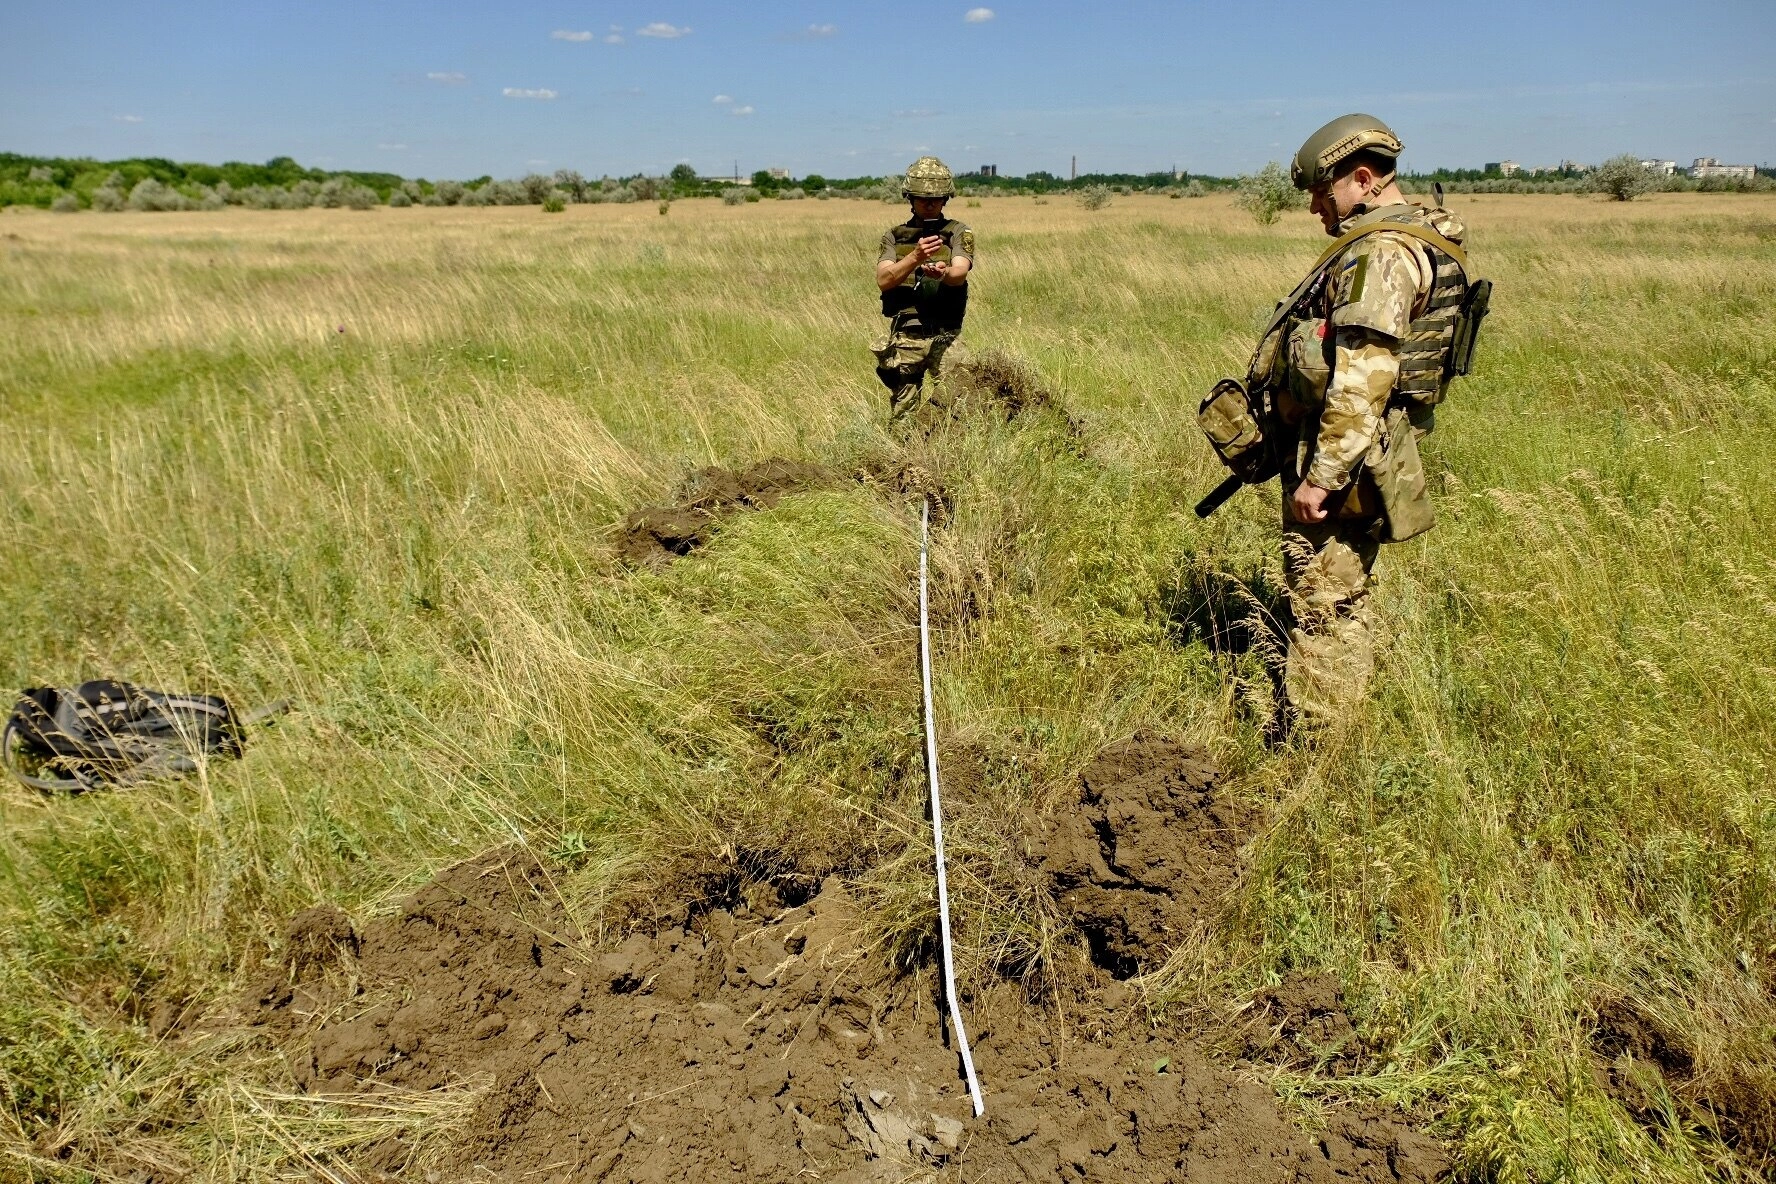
(1467, 328)
(1234, 425)
(1399, 476)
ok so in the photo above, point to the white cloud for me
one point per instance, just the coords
(823, 30)
(570, 35)
(977, 16)
(448, 77)
(524, 92)
(746, 110)
(392, 147)
(127, 118)
(663, 30)
(722, 99)
(613, 39)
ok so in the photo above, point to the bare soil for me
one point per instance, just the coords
(1149, 855)
(784, 1048)
(659, 534)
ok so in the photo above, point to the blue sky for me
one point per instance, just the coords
(846, 89)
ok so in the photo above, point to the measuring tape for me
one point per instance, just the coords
(943, 885)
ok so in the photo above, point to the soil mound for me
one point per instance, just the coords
(999, 379)
(766, 1051)
(659, 534)
(1640, 1060)
(1149, 855)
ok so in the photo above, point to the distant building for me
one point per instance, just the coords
(1573, 166)
(778, 174)
(1665, 168)
(989, 170)
(1708, 166)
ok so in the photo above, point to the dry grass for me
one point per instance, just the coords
(1558, 796)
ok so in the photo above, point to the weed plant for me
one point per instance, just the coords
(376, 464)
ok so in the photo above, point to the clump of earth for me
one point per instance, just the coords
(785, 1047)
(659, 534)
(1149, 854)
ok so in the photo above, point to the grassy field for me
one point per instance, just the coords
(374, 462)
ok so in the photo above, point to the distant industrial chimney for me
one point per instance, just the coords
(1075, 175)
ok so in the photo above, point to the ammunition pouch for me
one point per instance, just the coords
(1235, 422)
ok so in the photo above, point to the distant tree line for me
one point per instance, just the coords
(154, 183)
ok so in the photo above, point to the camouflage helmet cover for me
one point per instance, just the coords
(1346, 134)
(928, 177)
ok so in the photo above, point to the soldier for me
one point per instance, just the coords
(922, 272)
(1357, 362)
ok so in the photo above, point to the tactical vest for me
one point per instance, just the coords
(937, 305)
(1426, 352)
(1438, 344)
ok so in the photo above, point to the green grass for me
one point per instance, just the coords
(1557, 796)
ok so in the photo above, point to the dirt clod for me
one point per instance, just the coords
(769, 1050)
(1302, 1022)
(1149, 855)
(659, 534)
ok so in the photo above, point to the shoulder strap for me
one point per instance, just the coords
(1410, 229)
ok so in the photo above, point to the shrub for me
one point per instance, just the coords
(1267, 193)
(478, 197)
(448, 193)
(151, 195)
(1195, 189)
(645, 188)
(1094, 197)
(555, 202)
(753, 195)
(796, 194)
(1623, 178)
(41, 173)
(733, 196)
(66, 203)
(665, 206)
(107, 200)
(621, 194)
(398, 200)
(212, 201)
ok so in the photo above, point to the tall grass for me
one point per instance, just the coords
(374, 463)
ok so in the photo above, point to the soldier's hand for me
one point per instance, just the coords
(934, 268)
(1308, 503)
(928, 246)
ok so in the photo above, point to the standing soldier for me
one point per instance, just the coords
(922, 272)
(1346, 377)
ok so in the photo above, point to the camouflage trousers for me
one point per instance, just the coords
(1331, 655)
(904, 358)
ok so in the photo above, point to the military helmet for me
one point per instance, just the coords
(1347, 134)
(928, 177)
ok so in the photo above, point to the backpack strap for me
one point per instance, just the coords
(9, 756)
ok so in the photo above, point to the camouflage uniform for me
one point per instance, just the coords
(1387, 295)
(925, 316)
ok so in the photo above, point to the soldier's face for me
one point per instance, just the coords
(1333, 201)
(928, 208)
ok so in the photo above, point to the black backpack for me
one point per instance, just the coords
(115, 733)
